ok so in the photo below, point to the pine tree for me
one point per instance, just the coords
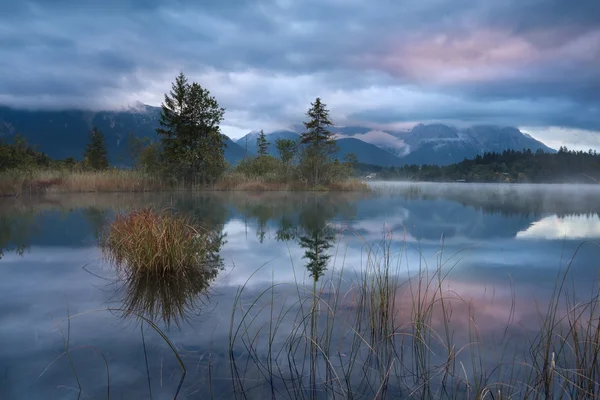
(95, 151)
(317, 133)
(318, 140)
(193, 146)
(262, 144)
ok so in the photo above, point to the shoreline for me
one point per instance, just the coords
(14, 184)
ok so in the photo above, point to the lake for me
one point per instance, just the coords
(430, 290)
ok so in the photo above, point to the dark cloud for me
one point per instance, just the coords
(514, 62)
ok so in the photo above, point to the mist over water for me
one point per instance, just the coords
(500, 247)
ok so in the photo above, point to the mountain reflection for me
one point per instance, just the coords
(465, 212)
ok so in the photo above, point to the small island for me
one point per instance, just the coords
(189, 155)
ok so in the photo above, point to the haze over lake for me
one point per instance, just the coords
(500, 248)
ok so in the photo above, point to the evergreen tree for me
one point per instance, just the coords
(95, 151)
(192, 143)
(317, 133)
(318, 140)
(262, 144)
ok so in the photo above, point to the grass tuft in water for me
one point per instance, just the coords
(148, 241)
(164, 260)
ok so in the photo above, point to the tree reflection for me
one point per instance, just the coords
(305, 219)
(15, 232)
(316, 243)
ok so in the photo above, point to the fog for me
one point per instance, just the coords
(559, 199)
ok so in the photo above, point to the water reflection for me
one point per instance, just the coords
(173, 297)
(15, 232)
(165, 263)
(309, 222)
(504, 279)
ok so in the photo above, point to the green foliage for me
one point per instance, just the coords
(192, 144)
(259, 166)
(18, 154)
(95, 151)
(318, 143)
(135, 148)
(262, 144)
(287, 149)
(70, 162)
(508, 166)
(149, 158)
(317, 133)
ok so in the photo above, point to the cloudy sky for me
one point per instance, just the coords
(534, 64)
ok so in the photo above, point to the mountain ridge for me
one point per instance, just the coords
(61, 134)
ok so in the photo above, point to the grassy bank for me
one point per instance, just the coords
(240, 182)
(20, 183)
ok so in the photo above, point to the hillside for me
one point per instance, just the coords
(366, 153)
(509, 166)
(249, 140)
(441, 144)
(63, 134)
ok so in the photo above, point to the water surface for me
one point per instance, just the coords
(503, 247)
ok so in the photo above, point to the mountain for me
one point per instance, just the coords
(62, 134)
(250, 140)
(367, 153)
(443, 145)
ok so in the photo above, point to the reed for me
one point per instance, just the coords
(22, 183)
(374, 335)
(270, 183)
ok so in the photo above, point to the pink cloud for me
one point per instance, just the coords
(483, 55)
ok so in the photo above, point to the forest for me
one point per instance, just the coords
(510, 166)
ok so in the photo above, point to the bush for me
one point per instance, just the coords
(260, 166)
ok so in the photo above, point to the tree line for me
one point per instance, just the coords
(509, 166)
(191, 147)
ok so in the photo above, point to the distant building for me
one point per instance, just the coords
(461, 180)
(371, 176)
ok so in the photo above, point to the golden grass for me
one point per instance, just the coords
(147, 241)
(15, 183)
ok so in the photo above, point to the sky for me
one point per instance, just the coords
(389, 64)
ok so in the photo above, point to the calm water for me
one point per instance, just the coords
(501, 246)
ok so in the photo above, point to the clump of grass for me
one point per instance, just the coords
(165, 262)
(147, 241)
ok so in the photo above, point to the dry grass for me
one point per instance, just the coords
(267, 183)
(147, 241)
(16, 183)
(165, 262)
